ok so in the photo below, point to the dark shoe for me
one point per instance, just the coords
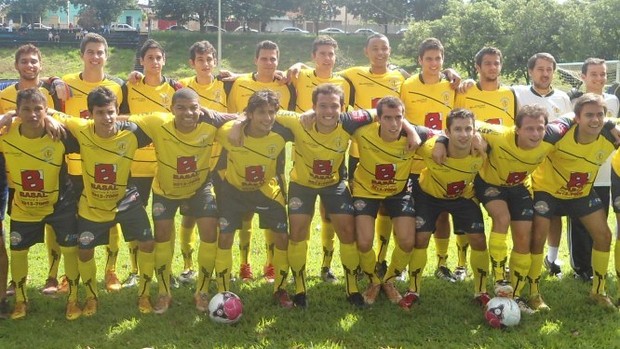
(357, 300)
(553, 268)
(300, 300)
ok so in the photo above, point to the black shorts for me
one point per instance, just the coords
(615, 191)
(336, 199)
(398, 205)
(143, 185)
(546, 205)
(63, 220)
(466, 213)
(234, 204)
(201, 204)
(4, 190)
(518, 198)
(133, 220)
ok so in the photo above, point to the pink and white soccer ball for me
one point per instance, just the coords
(225, 308)
(502, 312)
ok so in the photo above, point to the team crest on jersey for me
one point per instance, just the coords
(158, 209)
(395, 84)
(600, 157)
(271, 150)
(16, 238)
(340, 144)
(445, 98)
(86, 238)
(48, 154)
(505, 103)
(359, 204)
(295, 203)
(165, 98)
(218, 96)
(204, 140)
(121, 147)
(541, 207)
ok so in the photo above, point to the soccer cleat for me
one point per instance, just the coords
(50, 287)
(409, 300)
(603, 301)
(112, 283)
(201, 299)
(10, 291)
(300, 300)
(503, 289)
(460, 274)
(63, 285)
(245, 272)
(269, 273)
(73, 310)
(5, 310)
(553, 268)
(163, 303)
(371, 293)
(187, 277)
(328, 276)
(144, 305)
(391, 292)
(131, 281)
(402, 276)
(537, 303)
(584, 275)
(90, 307)
(482, 299)
(381, 268)
(174, 282)
(356, 299)
(282, 299)
(444, 273)
(525, 309)
(19, 311)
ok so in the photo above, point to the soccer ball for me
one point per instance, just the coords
(502, 312)
(225, 308)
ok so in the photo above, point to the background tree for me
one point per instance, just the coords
(382, 13)
(104, 11)
(182, 11)
(30, 11)
(318, 11)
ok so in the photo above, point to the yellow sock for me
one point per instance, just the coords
(112, 248)
(533, 277)
(417, 263)
(88, 273)
(207, 251)
(399, 262)
(146, 264)
(383, 231)
(368, 261)
(519, 268)
(280, 264)
(617, 259)
(19, 273)
(223, 266)
(350, 263)
(188, 241)
(479, 261)
(70, 254)
(327, 238)
(441, 247)
(462, 244)
(600, 261)
(53, 252)
(498, 250)
(269, 246)
(163, 257)
(297, 260)
(245, 234)
(133, 256)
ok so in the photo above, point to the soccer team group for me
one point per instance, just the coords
(387, 154)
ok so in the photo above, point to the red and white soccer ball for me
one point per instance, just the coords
(225, 308)
(502, 312)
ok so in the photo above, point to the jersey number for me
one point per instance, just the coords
(322, 167)
(455, 189)
(433, 121)
(186, 164)
(32, 180)
(385, 172)
(516, 177)
(105, 173)
(577, 180)
(255, 174)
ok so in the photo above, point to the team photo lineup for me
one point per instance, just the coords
(395, 159)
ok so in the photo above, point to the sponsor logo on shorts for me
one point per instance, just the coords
(527, 212)
(476, 226)
(359, 204)
(419, 222)
(86, 238)
(16, 238)
(158, 209)
(491, 192)
(295, 203)
(262, 208)
(541, 207)
(282, 226)
(407, 208)
(223, 223)
(594, 202)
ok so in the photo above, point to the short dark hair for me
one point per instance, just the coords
(541, 55)
(266, 45)
(201, 47)
(25, 49)
(261, 98)
(151, 44)
(430, 44)
(389, 102)
(184, 93)
(93, 37)
(376, 36)
(591, 61)
(30, 94)
(589, 98)
(488, 50)
(327, 89)
(324, 40)
(459, 113)
(531, 111)
(100, 97)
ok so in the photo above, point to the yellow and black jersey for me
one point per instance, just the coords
(246, 85)
(451, 180)
(319, 157)
(308, 81)
(384, 167)
(259, 163)
(212, 96)
(106, 164)
(494, 107)
(570, 169)
(38, 171)
(368, 88)
(8, 97)
(182, 158)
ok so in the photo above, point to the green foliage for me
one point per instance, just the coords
(106, 11)
(382, 13)
(30, 11)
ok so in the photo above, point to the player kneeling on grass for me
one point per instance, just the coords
(107, 147)
(448, 187)
(42, 195)
(382, 178)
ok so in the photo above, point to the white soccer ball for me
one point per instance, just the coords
(225, 308)
(502, 312)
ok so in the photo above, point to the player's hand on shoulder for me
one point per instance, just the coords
(465, 85)
(235, 136)
(439, 153)
(6, 121)
(454, 77)
(307, 119)
(227, 75)
(134, 77)
(479, 146)
(54, 128)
